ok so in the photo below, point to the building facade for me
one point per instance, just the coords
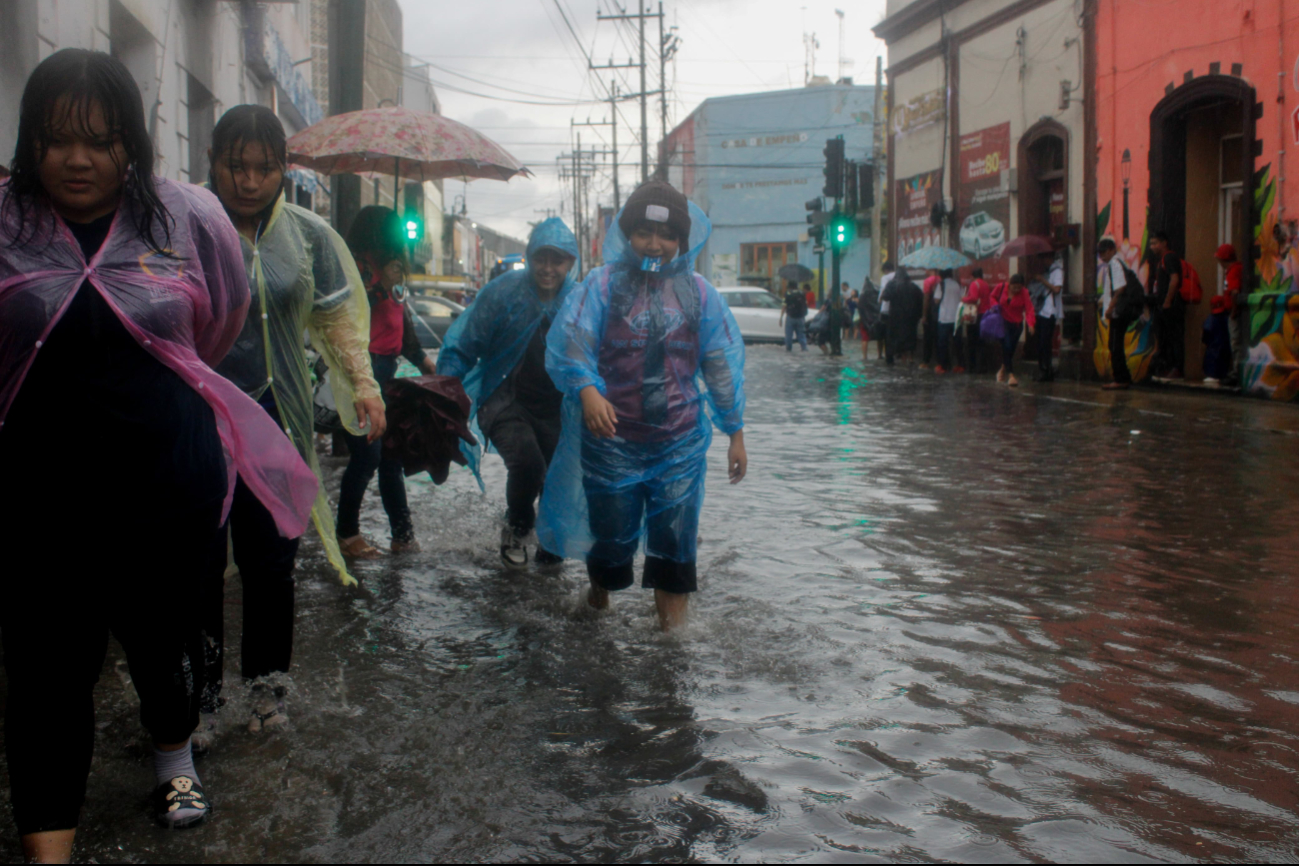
(751, 162)
(988, 138)
(192, 61)
(1194, 132)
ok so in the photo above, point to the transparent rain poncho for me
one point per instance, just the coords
(304, 279)
(185, 309)
(665, 350)
(485, 344)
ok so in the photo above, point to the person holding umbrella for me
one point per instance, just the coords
(497, 348)
(303, 279)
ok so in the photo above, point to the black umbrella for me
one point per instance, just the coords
(796, 272)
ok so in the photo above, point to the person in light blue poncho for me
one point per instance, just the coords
(497, 349)
(649, 357)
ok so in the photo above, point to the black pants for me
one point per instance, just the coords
(931, 339)
(368, 458)
(1170, 325)
(132, 567)
(1045, 346)
(526, 443)
(266, 562)
(1119, 350)
(972, 338)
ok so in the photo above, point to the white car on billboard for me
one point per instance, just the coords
(982, 236)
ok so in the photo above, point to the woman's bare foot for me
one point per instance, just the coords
(672, 607)
(598, 597)
(53, 846)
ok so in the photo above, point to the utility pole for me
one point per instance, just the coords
(877, 159)
(668, 45)
(644, 95)
(617, 201)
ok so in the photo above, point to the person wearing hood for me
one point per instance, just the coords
(303, 279)
(497, 349)
(649, 358)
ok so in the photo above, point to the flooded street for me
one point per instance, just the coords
(941, 620)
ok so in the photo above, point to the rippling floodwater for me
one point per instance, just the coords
(940, 620)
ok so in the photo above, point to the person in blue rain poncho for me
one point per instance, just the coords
(649, 357)
(497, 348)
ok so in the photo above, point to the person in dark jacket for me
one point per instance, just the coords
(906, 304)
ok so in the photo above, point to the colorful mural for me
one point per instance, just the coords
(1254, 46)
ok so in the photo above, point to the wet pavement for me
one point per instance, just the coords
(941, 620)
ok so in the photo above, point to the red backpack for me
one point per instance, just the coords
(1191, 290)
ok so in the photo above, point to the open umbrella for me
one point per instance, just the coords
(796, 272)
(402, 143)
(1027, 245)
(935, 258)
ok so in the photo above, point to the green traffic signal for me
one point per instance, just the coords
(841, 231)
(413, 226)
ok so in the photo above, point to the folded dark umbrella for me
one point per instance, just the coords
(796, 272)
(428, 417)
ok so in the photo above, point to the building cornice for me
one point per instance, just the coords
(914, 15)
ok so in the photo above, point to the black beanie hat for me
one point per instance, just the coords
(657, 201)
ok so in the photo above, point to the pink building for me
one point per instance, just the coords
(1196, 119)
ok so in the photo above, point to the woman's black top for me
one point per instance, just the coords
(97, 406)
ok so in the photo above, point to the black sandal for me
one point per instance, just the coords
(182, 792)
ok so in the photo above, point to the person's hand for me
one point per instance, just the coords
(429, 366)
(1030, 330)
(737, 458)
(371, 417)
(600, 417)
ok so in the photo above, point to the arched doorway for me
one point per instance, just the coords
(1202, 151)
(1044, 207)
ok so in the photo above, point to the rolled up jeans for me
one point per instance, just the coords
(795, 326)
(367, 457)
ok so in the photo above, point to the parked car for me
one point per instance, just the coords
(757, 312)
(982, 236)
(433, 315)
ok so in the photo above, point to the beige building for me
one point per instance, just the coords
(987, 135)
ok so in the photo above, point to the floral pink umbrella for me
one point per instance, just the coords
(401, 143)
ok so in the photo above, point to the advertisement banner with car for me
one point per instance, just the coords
(916, 197)
(983, 199)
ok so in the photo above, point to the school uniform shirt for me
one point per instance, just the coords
(947, 295)
(1112, 279)
(979, 293)
(1053, 304)
(884, 284)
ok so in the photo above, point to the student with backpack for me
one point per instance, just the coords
(1123, 300)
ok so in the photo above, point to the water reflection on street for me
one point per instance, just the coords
(940, 620)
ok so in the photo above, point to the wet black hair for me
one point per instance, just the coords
(243, 125)
(887, 269)
(376, 237)
(1017, 279)
(977, 274)
(1161, 236)
(75, 80)
(946, 273)
(1105, 246)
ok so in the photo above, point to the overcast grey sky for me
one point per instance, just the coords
(492, 59)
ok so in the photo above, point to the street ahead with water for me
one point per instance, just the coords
(941, 620)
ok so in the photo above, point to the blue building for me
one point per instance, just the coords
(751, 162)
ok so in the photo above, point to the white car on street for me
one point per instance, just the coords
(982, 236)
(756, 311)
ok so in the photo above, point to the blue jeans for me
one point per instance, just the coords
(367, 457)
(1008, 344)
(795, 327)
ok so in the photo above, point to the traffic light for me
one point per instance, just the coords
(866, 185)
(413, 227)
(816, 234)
(833, 168)
(850, 187)
(841, 231)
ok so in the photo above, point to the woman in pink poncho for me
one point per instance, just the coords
(119, 444)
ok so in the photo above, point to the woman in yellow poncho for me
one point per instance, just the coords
(302, 279)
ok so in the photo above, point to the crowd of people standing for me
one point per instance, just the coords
(176, 314)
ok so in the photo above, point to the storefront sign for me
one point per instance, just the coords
(919, 112)
(983, 199)
(916, 197)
